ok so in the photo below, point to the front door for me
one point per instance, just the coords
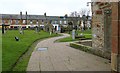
(55, 28)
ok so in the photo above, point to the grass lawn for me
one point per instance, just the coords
(12, 50)
(87, 33)
(67, 39)
(0, 50)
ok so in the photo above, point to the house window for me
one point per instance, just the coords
(65, 22)
(55, 22)
(60, 22)
(23, 21)
(16, 21)
(37, 22)
(11, 21)
(31, 22)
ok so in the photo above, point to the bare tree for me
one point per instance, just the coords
(74, 19)
(84, 14)
(74, 14)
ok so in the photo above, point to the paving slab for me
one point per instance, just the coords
(62, 57)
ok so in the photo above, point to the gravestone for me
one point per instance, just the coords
(36, 29)
(3, 28)
(16, 38)
(73, 34)
(21, 30)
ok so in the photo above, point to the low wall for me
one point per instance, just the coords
(89, 49)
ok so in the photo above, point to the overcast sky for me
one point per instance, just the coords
(39, 7)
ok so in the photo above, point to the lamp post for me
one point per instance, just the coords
(26, 17)
(45, 16)
(65, 17)
(20, 17)
(88, 3)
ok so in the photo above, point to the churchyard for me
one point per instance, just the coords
(103, 38)
(12, 50)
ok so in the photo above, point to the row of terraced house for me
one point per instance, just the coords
(13, 21)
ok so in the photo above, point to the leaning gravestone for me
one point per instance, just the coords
(16, 38)
(73, 34)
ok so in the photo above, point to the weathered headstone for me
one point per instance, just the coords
(36, 29)
(21, 30)
(73, 34)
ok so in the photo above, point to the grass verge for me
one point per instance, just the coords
(81, 47)
(87, 33)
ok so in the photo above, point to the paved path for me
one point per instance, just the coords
(61, 57)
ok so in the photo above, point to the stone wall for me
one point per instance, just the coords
(98, 29)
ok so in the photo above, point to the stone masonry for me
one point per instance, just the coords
(99, 31)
